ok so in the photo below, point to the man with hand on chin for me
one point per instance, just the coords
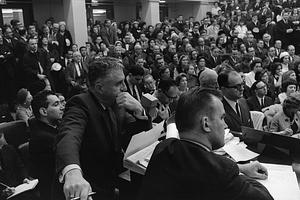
(88, 149)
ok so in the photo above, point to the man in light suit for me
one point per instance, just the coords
(88, 149)
(236, 108)
(76, 75)
(186, 168)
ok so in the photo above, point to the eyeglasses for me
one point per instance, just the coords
(262, 87)
(172, 98)
(237, 86)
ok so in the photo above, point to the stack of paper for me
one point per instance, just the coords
(282, 182)
(140, 149)
(24, 187)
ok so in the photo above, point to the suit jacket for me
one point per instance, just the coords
(233, 121)
(109, 36)
(281, 28)
(71, 73)
(129, 91)
(12, 170)
(181, 170)
(41, 154)
(90, 137)
(211, 63)
(254, 105)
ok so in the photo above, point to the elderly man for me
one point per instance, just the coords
(186, 168)
(88, 150)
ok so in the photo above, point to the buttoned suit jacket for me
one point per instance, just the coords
(254, 105)
(233, 121)
(87, 138)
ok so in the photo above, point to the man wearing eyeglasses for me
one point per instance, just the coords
(166, 94)
(236, 108)
(259, 100)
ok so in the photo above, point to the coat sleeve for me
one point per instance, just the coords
(70, 134)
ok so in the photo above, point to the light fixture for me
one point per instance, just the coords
(162, 1)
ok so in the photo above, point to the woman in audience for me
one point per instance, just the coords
(290, 74)
(183, 65)
(297, 71)
(275, 78)
(288, 86)
(181, 82)
(164, 73)
(23, 106)
(287, 121)
(285, 61)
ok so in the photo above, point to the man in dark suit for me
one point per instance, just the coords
(48, 111)
(36, 68)
(186, 168)
(237, 111)
(108, 33)
(285, 30)
(88, 148)
(259, 100)
(203, 50)
(133, 81)
(214, 59)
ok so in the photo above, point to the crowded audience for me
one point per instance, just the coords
(247, 50)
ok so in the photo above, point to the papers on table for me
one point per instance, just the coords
(282, 182)
(140, 149)
(24, 187)
(239, 152)
(236, 149)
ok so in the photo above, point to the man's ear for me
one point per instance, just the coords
(205, 124)
(43, 111)
(99, 86)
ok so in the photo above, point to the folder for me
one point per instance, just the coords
(140, 149)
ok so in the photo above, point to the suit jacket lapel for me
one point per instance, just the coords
(231, 112)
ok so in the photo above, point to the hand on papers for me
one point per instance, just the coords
(76, 186)
(124, 99)
(287, 132)
(8, 191)
(254, 170)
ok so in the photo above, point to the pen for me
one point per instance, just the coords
(4, 185)
(77, 198)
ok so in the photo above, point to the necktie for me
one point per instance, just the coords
(262, 102)
(237, 109)
(113, 128)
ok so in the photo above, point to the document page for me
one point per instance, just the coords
(282, 182)
(24, 187)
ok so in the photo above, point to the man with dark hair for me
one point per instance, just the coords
(88, 148)
(186, 168)
(166, 94)
(133, 81)
(48, 111)
(237, 111)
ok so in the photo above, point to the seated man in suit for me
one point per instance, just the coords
(48, 111)
(186, 168)
(88, 149)
(76, 74)
(259, 100)
(237, 111)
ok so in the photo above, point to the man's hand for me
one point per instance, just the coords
(124, 99)
(8, 191)
(254, 170)
(76, 186)
(41, 76)
(289, 30)
(287, 132)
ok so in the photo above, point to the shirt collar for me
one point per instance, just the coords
(197, 143)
